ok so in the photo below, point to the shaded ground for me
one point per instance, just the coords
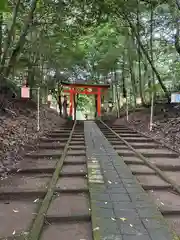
(18, 124)
(166, 123)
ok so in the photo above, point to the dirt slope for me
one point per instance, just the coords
(18, 124)
(166, 123)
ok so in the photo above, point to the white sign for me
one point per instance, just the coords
(175, 97)
(49, 98)
(25, 92)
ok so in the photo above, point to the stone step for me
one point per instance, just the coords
(65, 230)
(124, 135)
(49, 145)
(72, 206)
(149, 153)
(136, 146)
(60, 140)
(45, 153)
(132, 139)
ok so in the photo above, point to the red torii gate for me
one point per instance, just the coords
(88, 89)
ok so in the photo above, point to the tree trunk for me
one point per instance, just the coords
(22, 39)
(152, 59)
(1, 34)
(76, 99)
(178, 4)
(59, 99)
(131, 68)
(123, 77)
(139, 58)
(10, 34)
(177, 45)
(147, 80)
(177, 25)
(147, 56)
(116, 90)
(151, 44)
(140, 79)
(174, 7)
(133, 82)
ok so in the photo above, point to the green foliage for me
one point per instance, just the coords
(84, 103)
(154, 88)
(3, 5)
(92, 40)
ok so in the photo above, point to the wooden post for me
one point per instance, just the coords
(127, 107)
(38, 106)
(152, 110)
(99, 102)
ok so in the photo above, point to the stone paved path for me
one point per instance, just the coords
(121, 209)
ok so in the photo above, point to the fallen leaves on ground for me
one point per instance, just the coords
(18, 127)
(166, 124)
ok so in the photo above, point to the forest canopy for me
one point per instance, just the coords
(132, 44)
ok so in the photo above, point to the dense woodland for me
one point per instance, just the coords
(133, 44)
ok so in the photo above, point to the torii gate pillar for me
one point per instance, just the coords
(99, 102)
